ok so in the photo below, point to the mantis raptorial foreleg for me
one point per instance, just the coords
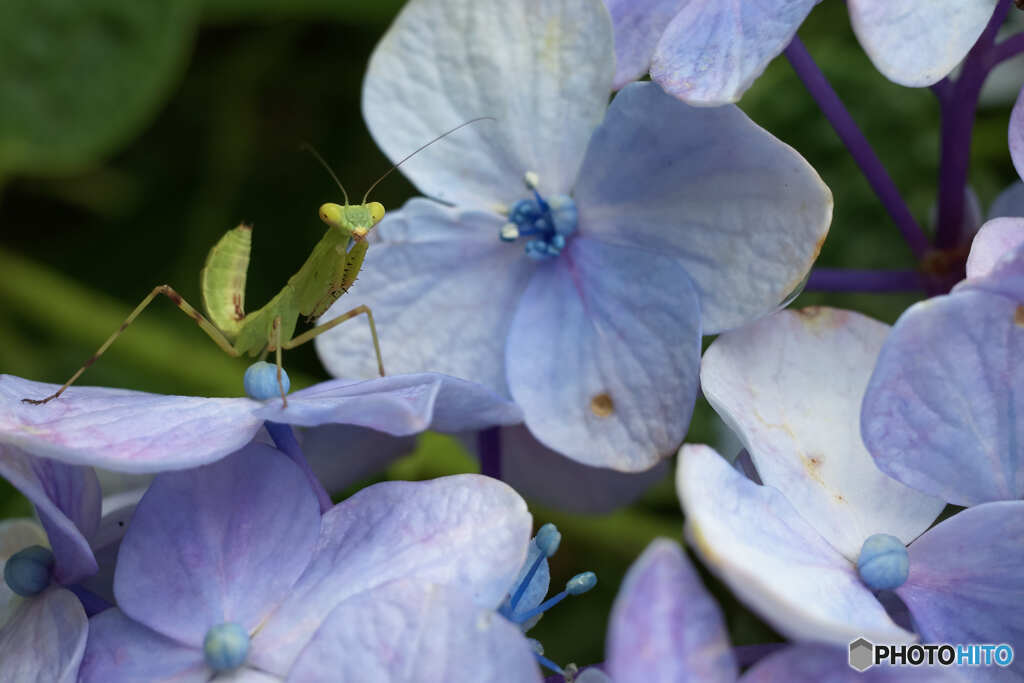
(167, 291)
(320, 329)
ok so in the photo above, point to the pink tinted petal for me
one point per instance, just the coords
(824, 664)
(942, 412)
(544, 476)
(791, 386)
(67, 498)
(542, 69)
(127, 431)
(45, 639)
(466, 531)
(219, 543)
(438, 275)
(918, 43)
(638, 26)
(711, 52)
(603, 354)
(754, 540)
(996, 238)
(120, 649)
(415, 632)
(965, 583)
(665, 626)
(744, 213)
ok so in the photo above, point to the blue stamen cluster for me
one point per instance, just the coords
(27, 572)
(548, 221)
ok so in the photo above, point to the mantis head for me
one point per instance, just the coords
(355, 220)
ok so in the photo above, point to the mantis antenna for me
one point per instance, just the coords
(308, 147)
(423, 147)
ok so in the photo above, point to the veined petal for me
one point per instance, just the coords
(791, 386)
(415, 632)
(467, 531)
(120, 649)
(442, 292)
(118, 429)
(996, 238)
(603, 355)
(944, 411)
(219, 543)
(711, 52)
(965, 583)
(743, 212)
(665, 626)
(542, 68)
(67, 498)
(754, 540)
(638, 25)
(45, 639)
(918, 43)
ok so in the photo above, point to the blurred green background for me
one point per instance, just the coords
(132, 135)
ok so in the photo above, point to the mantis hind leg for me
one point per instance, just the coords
(205, 325)
(276, 334)
(320, 329)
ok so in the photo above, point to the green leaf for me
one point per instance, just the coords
(79, 78)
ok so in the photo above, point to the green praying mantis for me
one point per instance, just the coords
(328, 273)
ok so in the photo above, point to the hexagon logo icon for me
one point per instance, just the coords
(861, 654)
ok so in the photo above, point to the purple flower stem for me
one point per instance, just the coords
(748, 655)
(878, 281)
(91, 603)
(489, 447)
(959, 105)
(284, 439)
(1009, 48)
(870, 165)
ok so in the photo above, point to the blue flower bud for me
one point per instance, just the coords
(27, 571)
(261, 381)
(226, 646)
(548, 538)
(883, 563)
(581, 583)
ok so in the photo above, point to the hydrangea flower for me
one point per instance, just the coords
(707, 52)
(665, 627)
(133, 431)
(803, 549)
(940, 413)
(637, 226)
(230, 567)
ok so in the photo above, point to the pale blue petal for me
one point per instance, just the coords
(219, 543)
(467, 531)
(995, 240)
(416, 632)
(118, 429)
(542, 70)
(665, 626)
(1016, 134)
(743, 212)
(544, 476)
(118, 511)
(791, 386)
(753, 539)
(120, 649)
(824, 664)
(442, 288)
(45, 639)
(711, 52)
(67, 498)
(944, 410)
(341, 456)
(603, 355)
(1009, 203)
(966, 584)
(918, 43)
(638, 25)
